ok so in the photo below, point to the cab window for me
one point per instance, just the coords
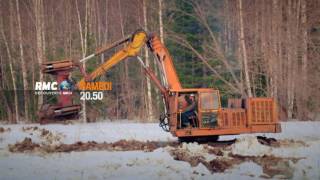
(209, 101)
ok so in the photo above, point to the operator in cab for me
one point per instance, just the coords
(189, 111)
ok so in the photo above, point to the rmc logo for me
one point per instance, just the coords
(63, 86)
(41, 86)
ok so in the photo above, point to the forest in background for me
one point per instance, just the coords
(244, 48)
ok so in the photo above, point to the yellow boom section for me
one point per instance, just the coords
(132, 49)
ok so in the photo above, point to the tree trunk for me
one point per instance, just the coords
(161, 21)
(39, 37)
(290, 92)
(304, 58)
(275, 39)
(244, 51)
(83, 49)
(126, 81)
(146, 52)
(3, 98)
(23, 66)
(13, 76)
(106, 22)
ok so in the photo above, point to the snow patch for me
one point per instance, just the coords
(246, 169)
(249, 146)
(193, 148)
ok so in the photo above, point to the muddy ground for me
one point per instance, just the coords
(272, 166)
(3, 130)
(123, 145)
(224, 159)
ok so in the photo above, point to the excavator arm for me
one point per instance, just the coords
(165, 62)
(136, 42)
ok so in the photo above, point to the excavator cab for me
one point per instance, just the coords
(204, 115)
(249, 115)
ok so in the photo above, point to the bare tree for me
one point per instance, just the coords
(161, 21)
(244, 51)
(146, 54)
(23, 65)
(12, 73)
(3, 98)
(38, 9)
(83, 38)
(305, 39)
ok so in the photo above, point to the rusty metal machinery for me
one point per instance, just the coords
(64, 109)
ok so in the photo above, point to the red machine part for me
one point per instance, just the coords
(64, 109)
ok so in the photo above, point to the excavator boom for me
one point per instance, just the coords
(166, 62)
(138, 40)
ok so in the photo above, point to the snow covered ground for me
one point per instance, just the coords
(300, 140)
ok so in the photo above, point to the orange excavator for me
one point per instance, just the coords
(189, 113)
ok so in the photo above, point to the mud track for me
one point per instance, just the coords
(122, 145)
(27, 145)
